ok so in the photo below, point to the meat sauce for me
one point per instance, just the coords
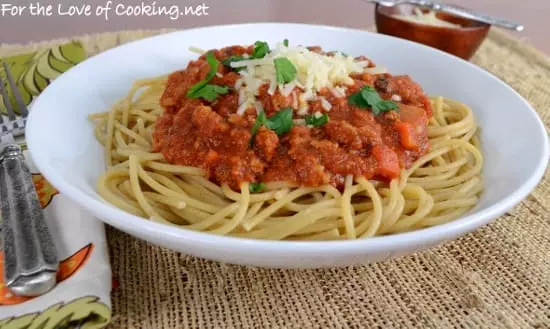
(210, 135)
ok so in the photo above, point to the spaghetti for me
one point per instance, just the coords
(438, 187)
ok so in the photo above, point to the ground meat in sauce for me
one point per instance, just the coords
(210, 135)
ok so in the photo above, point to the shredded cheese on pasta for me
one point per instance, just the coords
(314, 72)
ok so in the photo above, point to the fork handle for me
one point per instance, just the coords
(30, 258)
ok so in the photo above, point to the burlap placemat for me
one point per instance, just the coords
(496, 277)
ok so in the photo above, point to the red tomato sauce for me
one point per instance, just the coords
(210, 135)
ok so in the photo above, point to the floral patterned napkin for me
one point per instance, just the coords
(81, 298)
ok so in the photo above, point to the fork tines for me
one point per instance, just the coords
(16, 124)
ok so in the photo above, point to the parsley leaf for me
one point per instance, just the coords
(281, 122)
(192, 92)
(357, 100)
(213, 62)
(260, 119)
(311, 120)
(368, 97)
(210, 92)
(256, 187)
(284, 69)
(261, 49)
(285, 42)
(386, 105)
(204, 90)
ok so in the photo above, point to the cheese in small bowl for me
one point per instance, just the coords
(427, 18)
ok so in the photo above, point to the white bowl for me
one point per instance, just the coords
(64, 148)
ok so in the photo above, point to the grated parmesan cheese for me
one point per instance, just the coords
(325, 104)
(239, 83)
(428, 18)
(314, 72)
(396, 98)
(197, 50)
(242, 96)
(287, 89)
(338, 91)
(259, 107)
(375, 70)
(242, 108)
(272, 88)
(303, 110)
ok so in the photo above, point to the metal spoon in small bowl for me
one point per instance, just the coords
(453, 10)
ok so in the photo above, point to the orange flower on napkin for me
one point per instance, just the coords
(67, 268)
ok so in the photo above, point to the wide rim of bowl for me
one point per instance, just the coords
(106, 212)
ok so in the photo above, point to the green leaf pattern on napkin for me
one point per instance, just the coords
(62, 315)
(33, 72)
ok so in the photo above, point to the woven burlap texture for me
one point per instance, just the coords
(496, 277)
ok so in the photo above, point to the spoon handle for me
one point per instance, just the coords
(465, 13)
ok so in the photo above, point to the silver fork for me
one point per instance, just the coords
(453, 10)
(30, 258)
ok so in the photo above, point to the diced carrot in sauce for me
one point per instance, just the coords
(407, 135)
(388, 163)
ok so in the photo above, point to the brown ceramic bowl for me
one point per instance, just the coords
(462, 42)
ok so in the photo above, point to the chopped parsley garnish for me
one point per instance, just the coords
(261, 49)
(260, 119)
(312, 120)
(256, 187)
(192, 92)
(213, 62)
(203, 89)
(284, 69)
(280, 123)
(210, 92)
(285, 42)
(368, 97)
